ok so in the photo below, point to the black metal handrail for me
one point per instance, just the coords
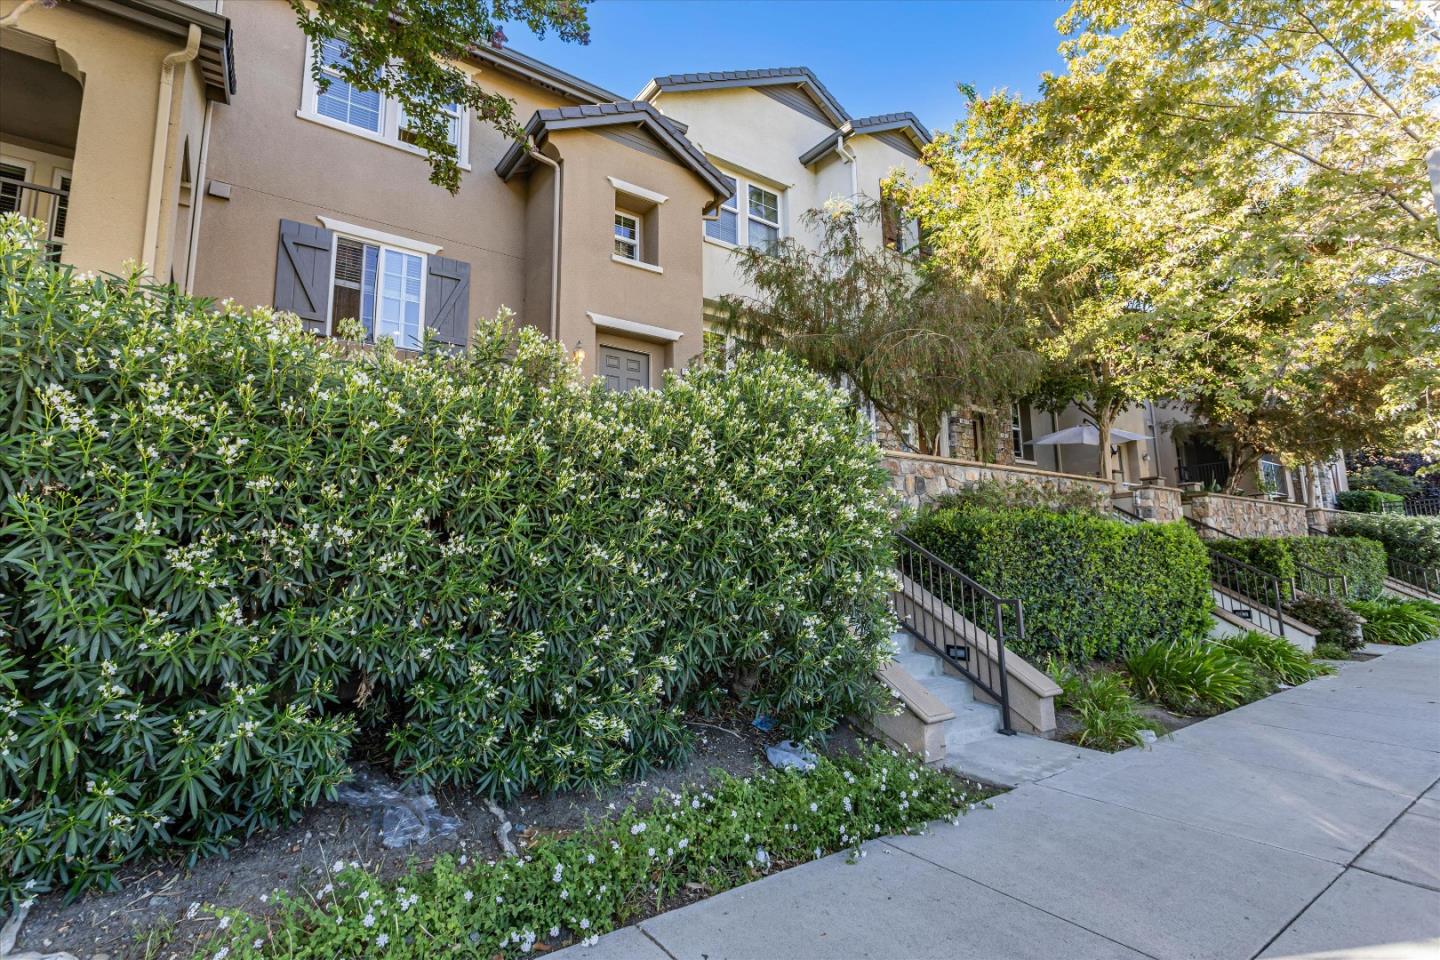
(1216, 472)
(1307, 579)
(1248, 592)
(962, 606)
(1127, 516)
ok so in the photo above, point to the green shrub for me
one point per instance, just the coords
(1330, 651)
(1011, 494)
(1359, 560)
(216, 528)
(1410, 539)
(1400, 622)
(1385, 480)
(1092, 587)
(1368, 501)
(598, 878)
(1275, 658)
(1108, 712)
(1335, 621)
(1195, 676)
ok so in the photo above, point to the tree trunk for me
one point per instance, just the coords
(1104, 420)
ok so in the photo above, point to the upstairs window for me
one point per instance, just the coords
(627, 235)
(726, 226)
(367, 113)
(341, 101)
(764, 227)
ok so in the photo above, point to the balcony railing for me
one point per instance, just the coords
(1423, 506)
(1217, 473)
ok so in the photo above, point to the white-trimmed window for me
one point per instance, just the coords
(763, 230)
(726, 226)
(627, 235)
(382, 286)
(367, 113)
(753, 216)
(1022, 434)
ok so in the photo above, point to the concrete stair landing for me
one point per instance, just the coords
(973, 746)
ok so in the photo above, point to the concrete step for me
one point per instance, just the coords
(1010, 761)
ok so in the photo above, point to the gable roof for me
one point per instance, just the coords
(774, 76)
(517, 159)
(905, 123)
(542, 74)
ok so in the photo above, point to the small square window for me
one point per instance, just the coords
(341, 101)
(627, 235)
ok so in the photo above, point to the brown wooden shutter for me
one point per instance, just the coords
(447, 300)
(302, 273)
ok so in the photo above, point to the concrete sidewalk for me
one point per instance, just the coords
(1305, 825)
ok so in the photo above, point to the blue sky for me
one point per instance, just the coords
(875, 57)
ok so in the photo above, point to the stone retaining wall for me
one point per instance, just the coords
(1158, 504)
(919, 479)
(1248, 516)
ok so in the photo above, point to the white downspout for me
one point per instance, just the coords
(851, 159)
(197, 199)
(161, 161)
(554, 244)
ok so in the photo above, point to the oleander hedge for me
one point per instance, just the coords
(1359, 559)
(231, 551)
(1092, 587)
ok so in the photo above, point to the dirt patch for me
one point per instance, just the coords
(156, 915)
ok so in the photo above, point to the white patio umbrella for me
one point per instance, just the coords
(1087, 435)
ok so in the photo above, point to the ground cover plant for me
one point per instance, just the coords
(583, 885)
(230, 551)
(1107, 712)
(1399, 622)
(1275, 658)
(1092, 587)
(1195, 676)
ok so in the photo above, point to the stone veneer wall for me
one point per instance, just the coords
(1158, 504)
(919, 479)
(1248, 516)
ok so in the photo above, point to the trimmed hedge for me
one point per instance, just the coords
(1361, 561)
(1410, 539)
(230, 550)
(1369, 501)
(1092, 587)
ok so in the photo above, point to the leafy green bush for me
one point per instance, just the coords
(1108, 712)
(1011, 494)
(1359, 560)
(1330, 651)
(1276, 659)
(1385, 480)
(231, 550)
(1331, 617)
(1368, 501)
(598, 878)
(1410, 539)
(1401, 622)
(1195, 676)
(1092, 587)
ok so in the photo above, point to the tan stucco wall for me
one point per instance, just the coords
(280, 166)
(592, 282)
(120, 65)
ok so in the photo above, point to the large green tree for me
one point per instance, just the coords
(913, 340)
(407, 49)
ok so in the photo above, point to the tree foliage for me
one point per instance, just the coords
(407, 49)
(914, 342)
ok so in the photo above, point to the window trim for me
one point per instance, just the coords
(742, 219)
(1019, 417)
(639, 221)
(751, 216)
(382, 241)
(390, 119)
